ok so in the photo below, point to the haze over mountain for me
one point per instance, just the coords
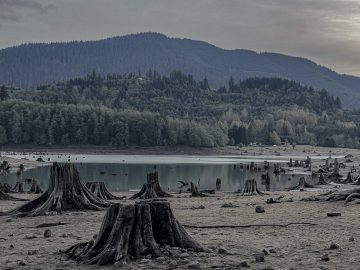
(34, 64)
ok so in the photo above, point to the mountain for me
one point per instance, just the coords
(34, 64)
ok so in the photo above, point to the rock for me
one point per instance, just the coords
(173, 264)
(351, 239)
(244, 264)
(222, 250)
(194, 265)
(47, 233)
(228, 205)
(32, 252)
(184, 255)
(259, 256)
(30, 236)
(325, 258)
(22, 263)
(9, 220)
(11, 247)
(272, 250)
(333, 245)
(259, 209)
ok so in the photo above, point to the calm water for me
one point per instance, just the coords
(125, 172)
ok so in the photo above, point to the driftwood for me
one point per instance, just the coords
(151, 189)
(218, 184)
(131, 232)
(46, 225)
(18, 188)
(350, 196)
(66, 192)
(99, 190)
(195, 192)
(251, 188)
(302, 184)
(248, 226)
(35, 187)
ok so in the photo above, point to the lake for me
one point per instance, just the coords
(128, 172)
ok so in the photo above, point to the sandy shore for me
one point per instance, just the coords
(296, 246)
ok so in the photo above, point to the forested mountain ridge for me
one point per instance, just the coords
(150, 109)
(35, 64)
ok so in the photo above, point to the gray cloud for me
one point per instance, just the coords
(327, 31)
(12, 10)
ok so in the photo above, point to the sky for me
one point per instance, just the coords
(325, 31)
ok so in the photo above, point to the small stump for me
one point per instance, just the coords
(18, 188)
(251, 188)
(130, 232)
(99, 190)
(35, 187)
(151, 189)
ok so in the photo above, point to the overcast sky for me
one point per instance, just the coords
(326, 31)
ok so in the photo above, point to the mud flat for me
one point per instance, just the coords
(23, 246)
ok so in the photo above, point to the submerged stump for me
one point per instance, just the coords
(66, 192)
(35, 187)
(218, 184)
(18, 188)
(99, 190)
(151, 189)
(251, 188)
(130, 232)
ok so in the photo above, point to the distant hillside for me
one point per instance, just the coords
(35, 64)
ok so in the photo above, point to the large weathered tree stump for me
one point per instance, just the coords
(35, 187)
(129, 232)
(151, 189)
(302, 185)
(18, 188)
(66, 192)
(251, 188)
(99, 190)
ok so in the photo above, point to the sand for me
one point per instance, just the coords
(296, 246)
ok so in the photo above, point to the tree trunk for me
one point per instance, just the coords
(151, 189)
(251, 188)
(131, 232)
(35, 187)
(218, 184)
(99, 190)
(66, 192)
(195, 192)
(18, 188)
(302, 184)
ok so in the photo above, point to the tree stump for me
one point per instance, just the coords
(35, 187)
(6, 188)
(130, 232)
(195, 192)
(265, 180)
(151, 189)
(251, 188)
(66, 192)
(322, 180)
(218, 184)
(302, 184)
(348, 179)
(6, 197)
(99, 190)
(18, 188)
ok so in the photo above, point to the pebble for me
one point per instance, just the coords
(260, 256)
(333, 245)
(9, 220)
(222, 250)
(259, 209)
(184, 255)
(11, 246)
(173, 264)
(272, 250)
(47, 233)
(194, 265)
(351, 239)
(244, 264)
(265, 252)
(22, 263)
(325, 258)
(30, 236)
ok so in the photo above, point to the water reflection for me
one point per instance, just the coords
(124, 177)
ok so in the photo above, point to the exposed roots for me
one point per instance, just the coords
(99, 190)
(151, 189)
(251, 188)
(130, 232)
